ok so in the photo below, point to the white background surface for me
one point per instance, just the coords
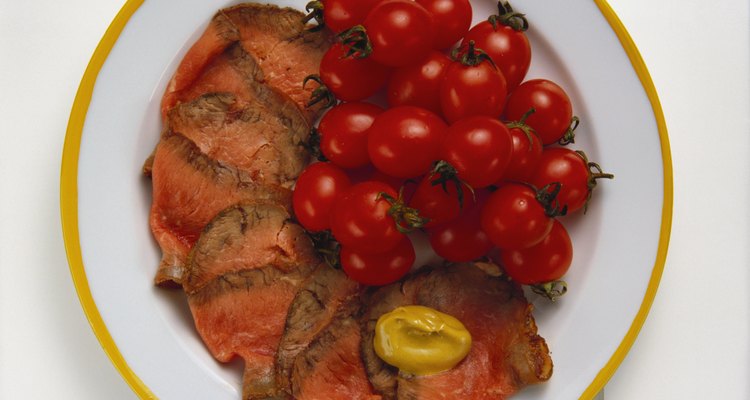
(694, 345)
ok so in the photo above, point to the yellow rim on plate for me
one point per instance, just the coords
(69, 199)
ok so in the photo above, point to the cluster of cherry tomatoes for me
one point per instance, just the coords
(440, 158)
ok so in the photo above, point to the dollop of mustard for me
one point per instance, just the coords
(420, 340)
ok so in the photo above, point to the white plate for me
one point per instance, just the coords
(620, 245)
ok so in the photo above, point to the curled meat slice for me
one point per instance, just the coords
(263, 139)
(189, 189)
(331, 367)
(507, 354)
(243, 274)
(277, 37)
(313, 309)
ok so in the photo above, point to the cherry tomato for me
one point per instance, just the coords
(401, 32)
(438, 204)
(527, 149)
(514, 218)
(340, 15)
(360, 220)
(552, 109)
(462, 239)
(479, 148)
(316, 191)
(545, 262)
(404, 141)
(419, 84)
(343, 133)
(351, 78)
(504, 40)
(381, 268)
(472, 87)
(573, 171)
(452, 17)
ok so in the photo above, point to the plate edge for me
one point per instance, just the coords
(626, 41)
(69, 197)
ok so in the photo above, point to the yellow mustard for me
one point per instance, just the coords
(420, 340)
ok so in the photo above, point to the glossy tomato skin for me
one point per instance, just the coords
(571, 170)
(419, 84)
(553, 110)
(527, 150)
(514, 219)
(508, 48)
(437, 204)
(545, 262)
(381, 268)
(403, 142)
(340, 15)
(317, 189)
(462, 239)
(343, 133)
(479, 148)
(452, 17)
(472, 90)
(401, 32)
(351, 78)
(360, 220)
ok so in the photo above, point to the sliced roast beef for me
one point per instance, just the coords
(312, 310)
(331, 367)
(219, 35)
(233, 71)
(189, 189)
(263, 138)
(243, 274)
(246, 236)
(286, 51)
(506, 355)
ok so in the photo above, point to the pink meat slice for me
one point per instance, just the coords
(287, 52)
(507, 354)
(240, 289)
(331, 366)
(189, 189)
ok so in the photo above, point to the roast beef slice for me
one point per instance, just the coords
(313, 310)
(286, 51)
(507, 354)
(246, 236)
(242, 275)
(189, 189)
(331, 366)
(264, 139)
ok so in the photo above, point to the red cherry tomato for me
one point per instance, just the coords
(476, 88)
(573, 171)
(462, 239)
(378, 269)
(404, 141)
(479, 148)
(506, 43)
(513, 218)
(527, 149)
(343, 133)
(438, 204)
(401, 32)
(552, 109)
(452, 17)
(360, 220)
(340, 15)
(316, 191)
(419, 84)
(351, 78)
(545, 262)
